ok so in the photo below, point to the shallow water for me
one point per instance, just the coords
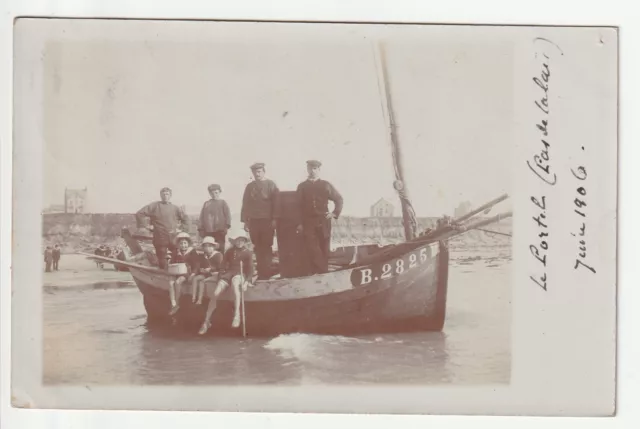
(100, 337)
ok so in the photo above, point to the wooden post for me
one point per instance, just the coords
(242, 312)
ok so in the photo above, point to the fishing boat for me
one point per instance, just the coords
(370, 289)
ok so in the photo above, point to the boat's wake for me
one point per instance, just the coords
(308, 347)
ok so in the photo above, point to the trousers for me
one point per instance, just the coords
(317, 239)
(163, 243)
(262, 233)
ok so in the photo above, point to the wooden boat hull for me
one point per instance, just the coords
(362, 300)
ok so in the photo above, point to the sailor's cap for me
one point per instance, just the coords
(314, 164)
(257, 165)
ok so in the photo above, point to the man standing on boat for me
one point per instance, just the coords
(259, 214)
(166, 221)
(215, 217)
(314, 195)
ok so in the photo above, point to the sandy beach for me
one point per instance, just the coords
(78, 272)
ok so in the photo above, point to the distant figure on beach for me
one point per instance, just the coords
(102, 250)
(259, 214)
(237, 271)
(315, 194)
(166, 221)
(48, 258)
(215, 217)
(56, 256)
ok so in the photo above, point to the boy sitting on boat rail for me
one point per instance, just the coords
(184, 254)
(209, 264)
(238, 272)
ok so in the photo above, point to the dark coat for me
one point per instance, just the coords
(260, 201)
(314, 196)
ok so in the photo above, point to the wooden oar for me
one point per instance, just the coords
(481, 208)
(485, 222)
(242, 312)
(494, 232)
(124, 263)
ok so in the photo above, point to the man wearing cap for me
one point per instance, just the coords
(259, 214)
(215, 217)
(166, 220)
(314, 195)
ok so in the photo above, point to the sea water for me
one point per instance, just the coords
(100, 337)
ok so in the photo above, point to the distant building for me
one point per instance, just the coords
(54, 208)
(382, 208)
(462, 209)
(75, 200)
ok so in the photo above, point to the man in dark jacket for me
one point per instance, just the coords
(259, 214)
(166, 220)
(56, 256)
(215, 217)
(315, 194)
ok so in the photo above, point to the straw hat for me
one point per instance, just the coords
(211, 241)
(183, 236)
(238, 235)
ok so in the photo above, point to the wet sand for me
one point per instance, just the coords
(76, 271)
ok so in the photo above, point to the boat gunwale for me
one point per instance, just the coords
(291, 283)
(376, 258)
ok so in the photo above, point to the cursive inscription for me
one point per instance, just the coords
(540, 162)
(580, 210)
(539, 249)
(541, 166)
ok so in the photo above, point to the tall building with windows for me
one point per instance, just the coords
(75, 200)
(382, 208)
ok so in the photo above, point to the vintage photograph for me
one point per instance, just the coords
(276, 204)
(314, 217)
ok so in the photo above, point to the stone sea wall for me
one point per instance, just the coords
(83, 231)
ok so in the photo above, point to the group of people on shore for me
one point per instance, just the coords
(52, 257)
(116, 252)
(216, 269)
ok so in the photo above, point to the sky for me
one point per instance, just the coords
(132, 107)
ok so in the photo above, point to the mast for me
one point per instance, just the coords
(408, 213)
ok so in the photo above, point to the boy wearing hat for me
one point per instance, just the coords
(187, 255)
(215, 217)
(315, 194)
(237, 271)
(209, 264)
(259, 214)
(166, 219)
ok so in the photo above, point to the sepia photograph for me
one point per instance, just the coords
(285, 205)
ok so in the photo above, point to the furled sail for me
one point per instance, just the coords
(408, 213)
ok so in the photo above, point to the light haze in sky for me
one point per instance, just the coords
(131, 107)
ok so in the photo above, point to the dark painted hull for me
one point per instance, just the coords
(323, 304)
